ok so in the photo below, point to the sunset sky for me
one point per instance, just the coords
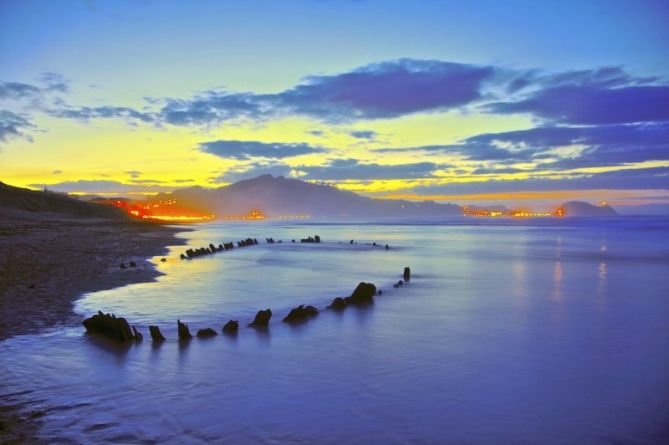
(469, 102)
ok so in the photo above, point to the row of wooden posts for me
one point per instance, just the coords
(118, 327)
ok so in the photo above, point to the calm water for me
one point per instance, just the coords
(507, 333)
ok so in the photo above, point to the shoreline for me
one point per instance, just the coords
(48, 262)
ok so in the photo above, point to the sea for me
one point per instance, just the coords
(546, 331)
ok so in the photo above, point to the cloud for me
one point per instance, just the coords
(364, 134)
(603, 145)
(592, 105)
(607, 145)
(496, 170)
(55, 82)
(252, 149)
(17, 90)
(341, 169)
(604, 77)
(103, 112)
(602, 96)
(469, 150)
(133, 173)
(381, 90)
(213, 107)
(642, 178)
(386, 90)
(397, 88)
(12, 126)
(482, 151)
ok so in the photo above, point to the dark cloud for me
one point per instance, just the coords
(253, 149)
(13, 126)
(603, 96)
(608, 145)
(103, 112)
(386, 90)
(55, 82)
(593, 105)
(482, 151)
(133, 173)
(381, 90)
(605, 77)
(645, 178)
(341, 169)
(213, 107)
(17, 90)
(496, 170)
(364, 134)
(469, 150)
(392, 89)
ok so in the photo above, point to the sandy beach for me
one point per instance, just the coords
(47, 261)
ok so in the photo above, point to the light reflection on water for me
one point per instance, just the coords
(499, 337)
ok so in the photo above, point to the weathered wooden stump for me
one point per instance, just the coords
(300, 313)
(262, 318)
(156, 335)
(206, 332)
(184, 332)
(338, 304)
(363, 294)
(231, 327)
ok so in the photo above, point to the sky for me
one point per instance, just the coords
(514, 102)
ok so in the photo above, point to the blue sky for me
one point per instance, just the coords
(419, 97)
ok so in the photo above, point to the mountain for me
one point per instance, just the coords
(45, 201)
(277, 196)
(579, 208)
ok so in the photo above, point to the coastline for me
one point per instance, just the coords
(48, 261)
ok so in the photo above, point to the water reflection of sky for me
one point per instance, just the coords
(499, 336)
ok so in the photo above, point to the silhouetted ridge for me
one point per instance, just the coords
(45, 201)
(580, 208)
(284, 196)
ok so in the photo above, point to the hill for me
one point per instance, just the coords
(276, 196)
(581, 209)
(45, 201)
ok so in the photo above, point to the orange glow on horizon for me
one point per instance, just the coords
(514, 213)
(179, 218)
(162, 211)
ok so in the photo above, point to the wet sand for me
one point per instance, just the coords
(49, 260)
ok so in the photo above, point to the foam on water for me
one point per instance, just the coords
(507, 333)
